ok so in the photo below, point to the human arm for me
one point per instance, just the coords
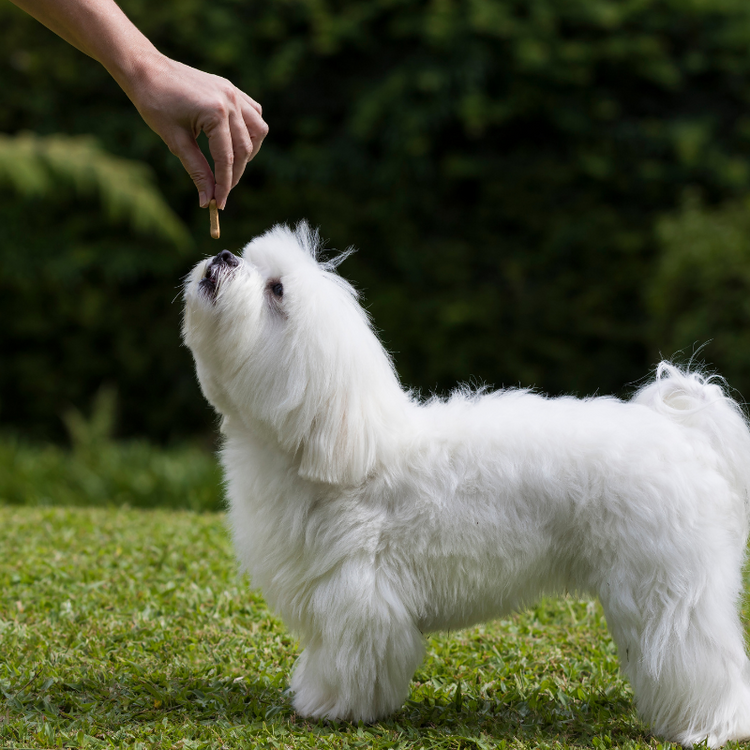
(175, 100)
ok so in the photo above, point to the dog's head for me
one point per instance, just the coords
(282, 345)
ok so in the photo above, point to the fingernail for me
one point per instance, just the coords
(204, 200)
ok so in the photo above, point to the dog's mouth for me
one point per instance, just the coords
(219, 269)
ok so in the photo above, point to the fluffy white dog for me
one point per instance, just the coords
(368, 518)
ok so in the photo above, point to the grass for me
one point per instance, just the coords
(130, 628)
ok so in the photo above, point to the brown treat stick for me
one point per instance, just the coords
(214, 214)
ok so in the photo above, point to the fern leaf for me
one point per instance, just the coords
(39, 166)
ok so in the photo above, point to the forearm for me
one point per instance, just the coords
(175, 100)
(100, 30)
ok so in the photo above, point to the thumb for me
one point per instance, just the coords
(191, 157)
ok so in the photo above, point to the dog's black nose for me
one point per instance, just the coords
(226, 258)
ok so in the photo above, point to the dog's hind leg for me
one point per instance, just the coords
(360, 657)
(683, 651)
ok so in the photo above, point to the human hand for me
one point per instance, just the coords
(175, 100)
(178, 102)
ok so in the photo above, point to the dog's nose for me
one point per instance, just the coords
(225, 257)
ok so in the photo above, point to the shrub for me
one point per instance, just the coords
(700, 292)
(98, 471)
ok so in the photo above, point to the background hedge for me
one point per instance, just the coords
(543, 192)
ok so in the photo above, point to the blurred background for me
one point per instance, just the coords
(546, 193)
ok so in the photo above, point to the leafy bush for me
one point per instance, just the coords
(701, 289)
(42, 167)
(135, 473)
(98, 471)
(501, 164)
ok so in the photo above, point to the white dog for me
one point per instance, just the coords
(368, 518)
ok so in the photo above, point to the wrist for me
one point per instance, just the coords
(133, 64)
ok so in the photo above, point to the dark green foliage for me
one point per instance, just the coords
(701, 289)
(500, 164)
(44, 167)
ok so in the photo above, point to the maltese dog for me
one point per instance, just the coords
(369, 518)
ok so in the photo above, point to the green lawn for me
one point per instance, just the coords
(123, 627)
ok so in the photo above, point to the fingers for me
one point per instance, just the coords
(255, 105)
(256, 126)
(233, 141)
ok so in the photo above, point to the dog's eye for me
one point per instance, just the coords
(277, 289)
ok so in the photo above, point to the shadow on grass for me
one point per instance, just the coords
(538, 719)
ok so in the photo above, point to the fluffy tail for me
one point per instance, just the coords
(700, 402)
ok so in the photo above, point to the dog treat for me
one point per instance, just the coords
(213, 211)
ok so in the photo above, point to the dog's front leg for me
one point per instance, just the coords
(359, 658)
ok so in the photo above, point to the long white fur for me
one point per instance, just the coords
(368, 518)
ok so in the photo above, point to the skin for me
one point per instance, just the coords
(175, 100)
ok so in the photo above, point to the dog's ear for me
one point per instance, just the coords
(340, 446)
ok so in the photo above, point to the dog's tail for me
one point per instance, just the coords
(700, 402)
